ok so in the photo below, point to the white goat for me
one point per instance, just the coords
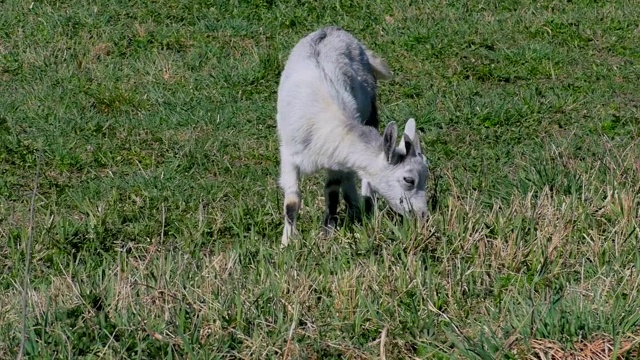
(328, 119)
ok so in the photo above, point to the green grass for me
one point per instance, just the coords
(158, 217)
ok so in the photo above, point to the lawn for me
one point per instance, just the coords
(157, 221)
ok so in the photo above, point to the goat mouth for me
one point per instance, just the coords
(411, 216)
(405, 207)
(397, 218)
(400, 211)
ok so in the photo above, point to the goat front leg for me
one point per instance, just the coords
(332, 200)
(369, 197)
(367, 192)
(289, 182)
(352, 198)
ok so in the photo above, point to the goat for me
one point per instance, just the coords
(327, 118)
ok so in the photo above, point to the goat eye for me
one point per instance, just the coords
(409, 180)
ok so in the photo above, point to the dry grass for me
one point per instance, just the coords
(602, 348)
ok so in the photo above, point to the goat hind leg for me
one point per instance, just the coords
(289, 182)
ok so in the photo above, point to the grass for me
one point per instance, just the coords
(158, 216)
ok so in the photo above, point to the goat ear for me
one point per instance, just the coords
(410, 131)
(408, 145)
(389, 139)
(410, 128)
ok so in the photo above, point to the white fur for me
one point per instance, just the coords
(326, 99)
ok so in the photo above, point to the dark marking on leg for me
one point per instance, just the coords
(332, 200)
(333, 182)
(354, 212)
(329, 223)
(291, 211)
(368, 205)
(352, 199)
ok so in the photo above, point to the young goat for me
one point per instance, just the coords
(328, 119)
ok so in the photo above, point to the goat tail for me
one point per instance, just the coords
(381, 70)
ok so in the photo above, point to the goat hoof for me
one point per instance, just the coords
(327, 230)
(329, 224)
(284, 242)
(355, 217)
(330, 221)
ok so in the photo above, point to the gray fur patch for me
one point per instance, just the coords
(307, 139)
(315, 42)
(369, 135)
